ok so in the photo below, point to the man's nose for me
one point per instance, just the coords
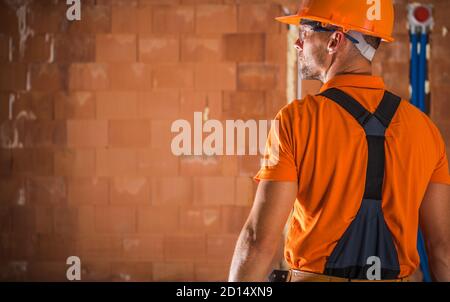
(298, 45)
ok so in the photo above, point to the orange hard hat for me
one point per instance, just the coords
(374, 18)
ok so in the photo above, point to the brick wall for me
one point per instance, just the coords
(85, 115)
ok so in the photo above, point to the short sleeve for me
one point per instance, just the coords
(441, 172)
(279, 162)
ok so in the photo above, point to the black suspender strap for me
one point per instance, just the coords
(368, 234)
(375, 126)
(387, 108)
(348, 103)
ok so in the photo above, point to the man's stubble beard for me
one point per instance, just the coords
(309, 72)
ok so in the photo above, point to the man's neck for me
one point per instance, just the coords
(360, 68)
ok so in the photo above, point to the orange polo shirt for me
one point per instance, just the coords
(324, 149)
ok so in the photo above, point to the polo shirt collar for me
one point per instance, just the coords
(354, 80)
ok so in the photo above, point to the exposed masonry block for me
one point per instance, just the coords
(85, 115)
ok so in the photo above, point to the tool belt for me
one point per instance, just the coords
(301, 276)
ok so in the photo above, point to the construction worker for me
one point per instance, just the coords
(358, 166)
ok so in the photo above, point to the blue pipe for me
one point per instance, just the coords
(422, 70)
(414, 67)
(418, 73)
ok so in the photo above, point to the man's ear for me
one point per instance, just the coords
(336, 41)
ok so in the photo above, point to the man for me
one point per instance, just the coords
(358, 166)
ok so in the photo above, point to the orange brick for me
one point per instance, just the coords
(4, 105)
(66, 220)
(38, 104)
(23, 219)
(4, 48)
(126, 190)
(216, 18)
(146, 3)
(5, 226)
(72, 162)
(116, 48)
(257, 76)
(33, 161)
(13, 76)
(100, 247)
(44, 134)
(184, 247)
(37, 49)
(48, 16)
(129, 133)
(171, 190)
(159, 104)
(244, 105)
(87, 133)
(116, 162)
(158, 161)
(230, 165)
(54, 247)
(200, 219)
(90, 76)
(158, 219)
(85, 219)
(244, 47)
(275, 100)
(75, 105)
(161, 134)
(96, 270)
(259, 17)
(12, 188)
(45, 77)
(212, 271)
(95, 19)
(135, 76)
(87, 191)
(233, 218)
(143, 247)
(48, 270)
(172, 19)
(215, 76)
(202, 48)
(245, 191)
(70, 48)
(159, 48)
(19, 246)
(116, 104)
(276, 48)
(8, 19)
(45, 191)
(173, 271)
(200, 166)
(220, 247)
(214, 190)
(127, 19)
(175, 76)
(199, 101)
(115, 219)
(132, 271)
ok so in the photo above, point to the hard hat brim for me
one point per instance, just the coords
(295, 20)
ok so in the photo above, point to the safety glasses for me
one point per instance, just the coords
(314, 26)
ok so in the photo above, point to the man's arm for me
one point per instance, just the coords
(259, 238)
(435, 225)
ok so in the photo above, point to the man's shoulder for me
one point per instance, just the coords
(300, 105)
